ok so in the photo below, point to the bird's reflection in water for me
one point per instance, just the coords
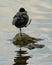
(21, 58)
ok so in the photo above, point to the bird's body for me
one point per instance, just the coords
(20, 20)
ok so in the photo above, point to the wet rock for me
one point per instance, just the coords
(23, 40)
(26, 40)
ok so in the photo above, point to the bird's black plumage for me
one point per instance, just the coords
(21, 18)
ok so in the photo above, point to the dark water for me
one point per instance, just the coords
(21, 58)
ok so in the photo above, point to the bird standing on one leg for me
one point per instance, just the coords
(21, 19)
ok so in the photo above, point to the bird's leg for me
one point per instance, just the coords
(20, 32)
(20, 35)
(20, 48)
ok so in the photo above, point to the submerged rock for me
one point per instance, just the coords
(23, 40)
(26, 40)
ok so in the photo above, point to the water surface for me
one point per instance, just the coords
(40, 11)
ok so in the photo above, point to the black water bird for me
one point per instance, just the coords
(21, 19)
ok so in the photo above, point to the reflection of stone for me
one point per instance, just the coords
(32, 46)
(20, 59)
(26, 40)
(21, 52)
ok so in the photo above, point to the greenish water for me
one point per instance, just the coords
(40, 11)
